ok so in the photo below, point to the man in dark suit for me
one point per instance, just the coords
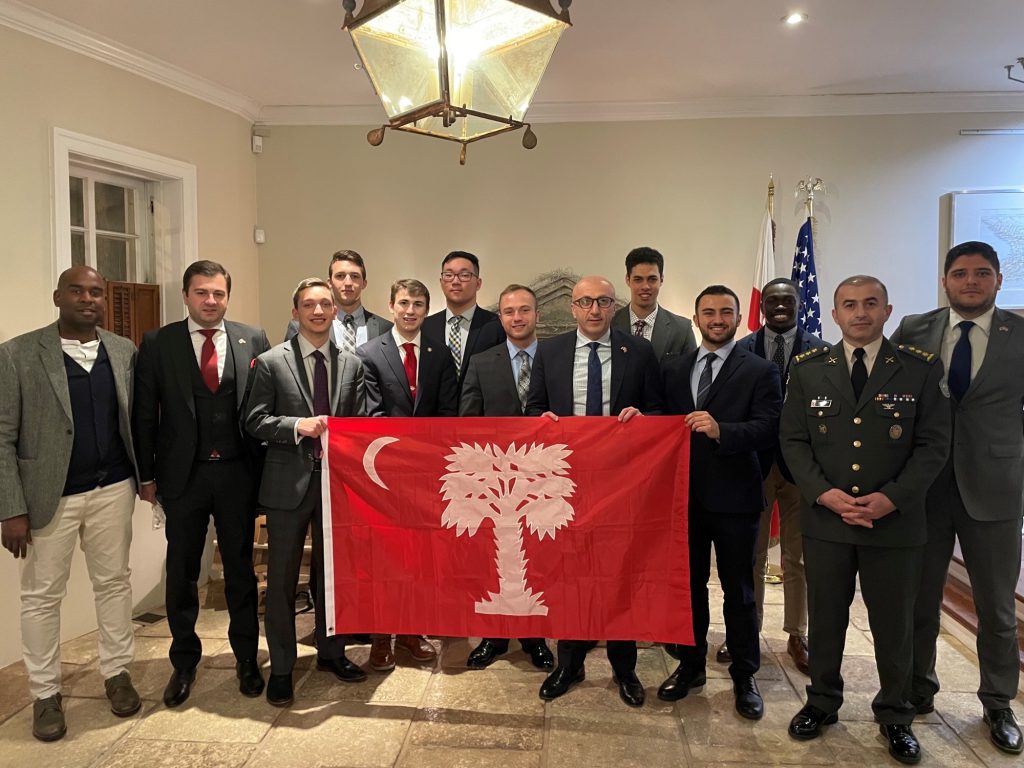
(463, 326)
(407, 374)
(670, 334)
(864, 430)
(190, 385)
(354, 324)
(296, 386)
(978, 495)
(594, 371)
(779, 341)
(497, 383)
(731, 399)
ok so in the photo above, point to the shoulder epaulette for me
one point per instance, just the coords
(809, 354)
(907, 349)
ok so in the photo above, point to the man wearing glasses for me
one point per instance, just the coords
(463, 327)
(594, 371)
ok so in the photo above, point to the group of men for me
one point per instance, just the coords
(884, 451)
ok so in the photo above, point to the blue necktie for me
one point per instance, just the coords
(960, 363)
(704, 382)
(595, 400)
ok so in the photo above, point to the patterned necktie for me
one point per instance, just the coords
(208, 360)
(455, 340)
(595, 399)
(410, 368)
(960, 363)
(638, 328)
(859, 374)
(348, 336)
(704, 383)
(523, 382)
(321, 396)
(779, 354)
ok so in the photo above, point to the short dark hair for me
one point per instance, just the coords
(410, 286)
(309, 282)
(972, 248)
(857, 280)
(645, 255)
(517, 287)
(352, 256)
(716, 290)
(781, 281)
(463, 255)
(205, 269)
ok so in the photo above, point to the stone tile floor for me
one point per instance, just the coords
(451, 717)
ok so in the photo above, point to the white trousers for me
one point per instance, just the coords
(102, 520)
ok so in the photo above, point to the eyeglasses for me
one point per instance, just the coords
(586, 302)
(463, 277)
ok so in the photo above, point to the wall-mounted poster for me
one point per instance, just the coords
(997, 218)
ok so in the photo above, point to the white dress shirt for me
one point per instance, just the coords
(82, 352)
(979, 336)
(721, 354)
(464, 322)
(579, 373)
(359, 316)
(648, 322)
(401, 350)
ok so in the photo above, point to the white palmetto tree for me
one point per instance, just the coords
(517, 486)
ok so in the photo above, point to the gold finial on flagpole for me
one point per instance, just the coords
(809, 187)
(771, 195)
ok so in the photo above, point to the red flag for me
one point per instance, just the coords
(508, 527)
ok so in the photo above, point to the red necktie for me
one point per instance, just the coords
(410, 367)
(208, 360)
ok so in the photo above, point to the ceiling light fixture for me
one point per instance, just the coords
(794, 18)
(460, 70)
(1009, 70)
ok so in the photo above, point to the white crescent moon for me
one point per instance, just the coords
(371, 456)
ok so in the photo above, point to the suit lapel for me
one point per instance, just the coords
(182, 349)
(620, 361)
(474, 331)
(729, 366)
(663, 325)
(687, 366)
(298, 369)
(118, 365)
(336, 371)
(52, 357)
(503, 369)
(999, 334)
(240, 353)
(394, 358)
(887, 364)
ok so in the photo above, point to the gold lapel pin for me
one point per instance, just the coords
(241, 341)
(623, 349)
(833, 361)
(430, 349)
(889, 360)
(1004, 328)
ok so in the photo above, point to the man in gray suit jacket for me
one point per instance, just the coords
(297, 385)
(354, 325)
(67, 475)
(978, 496)
(670, 334)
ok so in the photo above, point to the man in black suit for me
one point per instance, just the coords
(354, 324)
(670, 334)
(407, 374)
(296, 386)
(497, 384)
(190, 384)
(731, 399)
(463, 326)
(594, 371)
(865, 430)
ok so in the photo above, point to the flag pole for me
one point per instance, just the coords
(771, 204)
(809, 187)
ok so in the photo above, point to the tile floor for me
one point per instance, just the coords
(451, 717)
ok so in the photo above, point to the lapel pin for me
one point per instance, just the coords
(833, 361)
(889, 360)
(1004, 328)
(623, 349)
(241, 341)
(430, 349)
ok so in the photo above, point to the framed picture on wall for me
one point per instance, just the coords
(995, 216)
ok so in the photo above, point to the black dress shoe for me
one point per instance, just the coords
(560, 681)
(342, 668)
(681, 682)
(179, 687)
(279, 690)
(722, 655)
(1003, 728)
(903, 744)
(748, 699)
(540, 655)
(807, 723)
(483, 655)
(631, 690)
(250, 679)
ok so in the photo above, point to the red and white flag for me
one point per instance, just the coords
(764, 269)
(508, 527)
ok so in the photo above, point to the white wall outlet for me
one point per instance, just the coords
(259, 236)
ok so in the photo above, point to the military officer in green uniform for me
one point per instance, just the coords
(865, 430)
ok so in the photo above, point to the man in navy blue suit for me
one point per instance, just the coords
(732, 400)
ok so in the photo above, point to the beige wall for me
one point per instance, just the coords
(590, 192)
(42, 87)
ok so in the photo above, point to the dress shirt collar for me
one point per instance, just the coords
(649, 320)
(306, 347)
(723, 351)
(983, 322)
(359, 315)
(400, 341)
(604, 341)
(789, 336)
(466, 315)
(513, 350)
(870, 353)
(194, 327)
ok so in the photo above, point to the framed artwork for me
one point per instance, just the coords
(997, 218)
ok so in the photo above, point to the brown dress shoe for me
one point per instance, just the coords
(417, 647)
(797, 649)
(382, 658)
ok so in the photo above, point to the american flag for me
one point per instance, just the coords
(806, 278)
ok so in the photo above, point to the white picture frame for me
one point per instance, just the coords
(994, 216)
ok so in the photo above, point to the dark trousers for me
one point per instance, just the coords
(621, 654)
(286, 538)
(991, 551)
(501, 643)
(734, 538)
(223, 490)
(888, 581)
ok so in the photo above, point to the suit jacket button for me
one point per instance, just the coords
(855, 489)
(856, 419)
(855, 467)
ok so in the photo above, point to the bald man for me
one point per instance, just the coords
(67, 476)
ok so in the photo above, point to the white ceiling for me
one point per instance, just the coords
(645, 58)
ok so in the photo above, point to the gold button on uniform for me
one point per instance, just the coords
(855, 467)
(856, 419)
(856, 443)
(896, 415)
(855, 489)
(821, 413)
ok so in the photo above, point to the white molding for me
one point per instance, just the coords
(55, 30)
